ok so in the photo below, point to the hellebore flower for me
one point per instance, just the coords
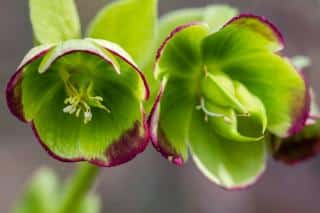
(222, 95)
(83, 99)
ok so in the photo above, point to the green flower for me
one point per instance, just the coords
(83, 99)
(222, 95)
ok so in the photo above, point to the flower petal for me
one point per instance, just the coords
(72, 46)
(244, 50)
(179, 54)
(13, 89)
(169, 120)
(231, 165)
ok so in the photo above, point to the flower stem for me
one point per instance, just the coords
(78, 187)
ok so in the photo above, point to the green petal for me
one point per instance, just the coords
(229, 164)
(243, 50)
(276, 83)
(37, 89)
(170, 122)
(245, 34)
(129, 24)
(77, 45)
(180, 53)
(54, 21)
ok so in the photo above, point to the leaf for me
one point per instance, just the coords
(43, 194)
(129, 23)
(54, 21)
(214, 15)
(229, 164)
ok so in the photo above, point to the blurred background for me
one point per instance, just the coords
(149, 183)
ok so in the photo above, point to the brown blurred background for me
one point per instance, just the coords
(149, 183)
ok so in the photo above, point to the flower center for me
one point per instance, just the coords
(80, 101)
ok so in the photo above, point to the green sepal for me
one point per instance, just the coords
(54, 21)
(231, 165)
(180, 54)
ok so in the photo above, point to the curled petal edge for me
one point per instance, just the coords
(112, 152)
(275, 31)
(13, 88)
(164, 149)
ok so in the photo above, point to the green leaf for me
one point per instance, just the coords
(41, 195)
(243, 51)
(44, 192)
(54, 21)
(229, 164)
(130, 23)
(214, 15)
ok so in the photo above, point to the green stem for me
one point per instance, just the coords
(78, 187)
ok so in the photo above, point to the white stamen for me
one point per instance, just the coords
(209, 113)
(87, 116)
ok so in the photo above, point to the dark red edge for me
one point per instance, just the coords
(153, 119)
(97, 162)
(12, 83)
(300, 121)
(152, 123)
(299, 124)
(262, 19)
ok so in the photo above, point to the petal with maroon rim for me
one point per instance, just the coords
(305, 143)
(110, 138)
(243, 49)
(75, 45)
(231, 165)
(178, 59)
(13, 89)
(264, 33)
(170, 118)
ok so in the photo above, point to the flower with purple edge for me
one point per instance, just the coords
(83, 100)
(223, 94)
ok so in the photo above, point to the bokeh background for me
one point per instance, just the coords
(149, 183)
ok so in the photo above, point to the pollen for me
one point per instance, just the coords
(80, 101)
